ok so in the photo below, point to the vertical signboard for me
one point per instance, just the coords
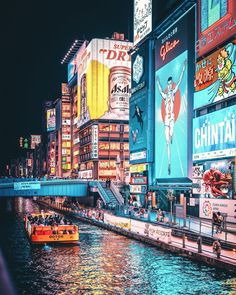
(217, 23)
(142, 19)
(138, 121)
(215, 77)
(173, 92)
(104, 81)
(51, 119)
(94, 141)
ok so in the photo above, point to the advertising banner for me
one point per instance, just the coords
(65, 91)
(104, 81)
(51, 119)
(27, 185)
(138, 121)
(140, 68)
(173, 103)
(208, 206)
(73, 64)
(35, 140)
(215, 77)
(215, 179)
(155, 232)
(117, 221)
(138, 189)
(214, 135)
(217, 23)
(142, 19)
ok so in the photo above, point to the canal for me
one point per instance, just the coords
(102, 263)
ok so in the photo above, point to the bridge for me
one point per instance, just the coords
(30, 187)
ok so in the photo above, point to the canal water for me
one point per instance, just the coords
(102, 263)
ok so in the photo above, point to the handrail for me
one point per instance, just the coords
(117, 194)
(102, 193)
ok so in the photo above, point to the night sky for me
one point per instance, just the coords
(35, 36)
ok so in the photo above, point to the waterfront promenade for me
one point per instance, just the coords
(183, 242)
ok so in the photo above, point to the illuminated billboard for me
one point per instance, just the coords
(104, 81)
(138, 121)
(140, 68)
(173, 100)
(51, 119)
(142, 19)
(217, 23)
(213, 179)
(73, 64)
(215, 77)
(35, 140)
(214, 135)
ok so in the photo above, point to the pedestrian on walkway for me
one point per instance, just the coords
(220, 221)
(217, 248)
(199, 244)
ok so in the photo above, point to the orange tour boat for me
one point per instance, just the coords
(40, 232)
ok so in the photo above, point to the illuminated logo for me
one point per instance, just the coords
(138, 68)
(167, 47)
(207, 209)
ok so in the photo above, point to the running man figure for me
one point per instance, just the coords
(169, 98)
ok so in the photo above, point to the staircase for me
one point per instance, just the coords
(112, 199)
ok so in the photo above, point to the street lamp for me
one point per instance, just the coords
(171, 198)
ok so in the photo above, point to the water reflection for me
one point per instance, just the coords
(102, 263)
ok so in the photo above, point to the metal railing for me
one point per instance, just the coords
(102, 193)
(116, 193)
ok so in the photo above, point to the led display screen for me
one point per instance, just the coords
(173, 100)
(34, 141)
(142, 19)
(51, 119)
(217, 23)
(214, 179)
(104, 81)
(215, 77)
(138, 121)
(214, 135)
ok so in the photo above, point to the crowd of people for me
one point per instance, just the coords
(48, 219)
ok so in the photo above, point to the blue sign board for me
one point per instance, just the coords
(138, 121)
(214, 135)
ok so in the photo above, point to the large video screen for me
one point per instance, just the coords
(216, 24)
(215, 77)
(213, 179)
(214, 135)
(104, 81)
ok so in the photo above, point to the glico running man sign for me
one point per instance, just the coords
(174, 60)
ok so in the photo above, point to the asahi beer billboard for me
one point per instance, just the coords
(215, 76)
(142, 19)
(174, 60)
(214, 135)
(104, 81)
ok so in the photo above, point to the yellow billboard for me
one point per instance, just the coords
(104, 81)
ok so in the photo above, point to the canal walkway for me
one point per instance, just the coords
(181, 243)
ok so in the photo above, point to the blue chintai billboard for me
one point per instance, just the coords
(174, 61)
(214, 135)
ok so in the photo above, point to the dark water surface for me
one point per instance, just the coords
(102, 263)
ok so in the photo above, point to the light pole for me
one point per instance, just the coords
(171, 198)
